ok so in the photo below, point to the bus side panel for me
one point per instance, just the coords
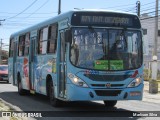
(21, 65)
(10, 70)
(43, 67)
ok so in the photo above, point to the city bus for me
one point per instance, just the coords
(80, 55)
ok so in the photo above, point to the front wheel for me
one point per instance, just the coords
(110, 103)
(54, 101)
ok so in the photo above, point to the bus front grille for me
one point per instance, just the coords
(105, 86)
(112, 78)
(107, 92)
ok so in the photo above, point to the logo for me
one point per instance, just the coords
(108, 85)
(6, 114)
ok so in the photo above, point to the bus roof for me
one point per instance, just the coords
(62, 17)
(101, 10)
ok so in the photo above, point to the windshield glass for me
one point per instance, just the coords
(106, 49)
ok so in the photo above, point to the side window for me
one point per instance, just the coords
(11, 47)
(42, 43)
(27, 39)
(52, 39)
(21, 45)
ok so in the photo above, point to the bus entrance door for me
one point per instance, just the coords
(15, 54)
(32, 50)
(62, 67)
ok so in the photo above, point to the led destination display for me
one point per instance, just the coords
(105, 19)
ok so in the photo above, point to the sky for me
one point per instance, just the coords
(20, 14)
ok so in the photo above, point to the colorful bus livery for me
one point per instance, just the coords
(78, 56)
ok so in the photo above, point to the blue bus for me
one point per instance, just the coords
(80, 55)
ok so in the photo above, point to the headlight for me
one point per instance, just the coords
(76, 80)
(135, 82)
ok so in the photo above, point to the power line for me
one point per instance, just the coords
(147, 3)
(119, 6)
(23, 10)
(151, 12)
(28, 17)
(150, 17)
(147, 6)
(37, 9)
(148, 9)
(134, 8)
(149, 23)
(27, 13)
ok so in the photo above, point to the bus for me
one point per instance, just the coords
(80, 55)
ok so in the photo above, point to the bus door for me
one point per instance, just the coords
(15, 54)
(62, 66)
(32, 51)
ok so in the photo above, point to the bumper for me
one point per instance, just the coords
(75, 93)
(3, 79)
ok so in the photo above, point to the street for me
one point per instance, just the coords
(39, 103)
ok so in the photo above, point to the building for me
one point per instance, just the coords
(148, 25)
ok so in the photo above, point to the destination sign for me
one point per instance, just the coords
(105, 19)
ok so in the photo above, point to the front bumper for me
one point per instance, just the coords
(75, 93)
(3, 78)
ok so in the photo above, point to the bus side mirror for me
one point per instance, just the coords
(68, 36)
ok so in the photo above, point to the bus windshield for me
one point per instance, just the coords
(106, 49)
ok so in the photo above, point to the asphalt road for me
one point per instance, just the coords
(40, 103)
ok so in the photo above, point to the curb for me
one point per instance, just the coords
(13, 108)
(149, 97)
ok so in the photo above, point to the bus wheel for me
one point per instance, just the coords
(54, 101)
(110, 103)
(21, 91)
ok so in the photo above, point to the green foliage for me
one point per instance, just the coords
(146, 74)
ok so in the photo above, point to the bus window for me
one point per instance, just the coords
(26, 51)
(52, 39)
(21, 45)
(11, 47)
(43, 41)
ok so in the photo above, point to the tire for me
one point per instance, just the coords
(53, 101)
(110, 103)
(21, 91)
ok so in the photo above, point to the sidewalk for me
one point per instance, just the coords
(148, 97)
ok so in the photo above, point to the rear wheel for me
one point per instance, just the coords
(21, 91)
(54, 101)
(110, 103)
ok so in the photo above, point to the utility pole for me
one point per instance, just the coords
(59, 7)
(1, 45)
(138, 8)
(1, 51)
(156, 30)
(153, 85)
